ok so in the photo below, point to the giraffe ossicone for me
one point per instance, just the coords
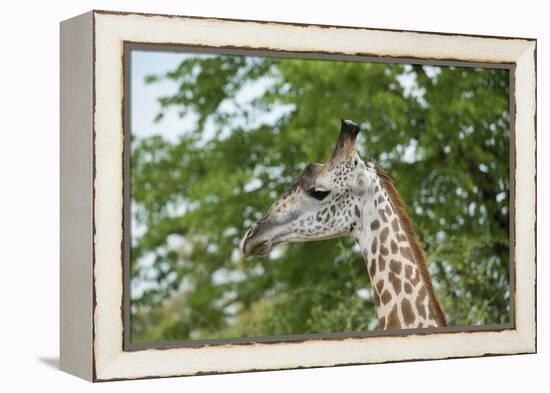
(349, 197)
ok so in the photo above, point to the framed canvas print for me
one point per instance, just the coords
(244, 195)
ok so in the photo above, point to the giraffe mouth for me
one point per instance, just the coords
(254, 247)
(260, 249)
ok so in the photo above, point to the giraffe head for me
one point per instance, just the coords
(324, 202)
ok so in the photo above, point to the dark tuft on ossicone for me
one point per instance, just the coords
(349, 127)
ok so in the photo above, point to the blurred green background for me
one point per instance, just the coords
(230, 133)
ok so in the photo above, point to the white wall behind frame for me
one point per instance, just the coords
(28, 158)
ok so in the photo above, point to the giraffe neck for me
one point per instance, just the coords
(402, 287)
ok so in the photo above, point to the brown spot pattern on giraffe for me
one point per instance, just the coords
(380, 286)
(376, 300)
(382, 215)
(406, 225)
(381, 263)
(406, 253)
(393, 320)
(372, 268)
(384, 235)
(395, 282)
(395, 266)
(374, 245)
(395, 225)
(386, 296)
(407, 311)
(419, 303)
(394, 247)
(431, 311)
(401, 237)
(409, 274)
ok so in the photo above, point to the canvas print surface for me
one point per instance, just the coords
(279, 196)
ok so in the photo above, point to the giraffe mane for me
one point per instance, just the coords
(418, 254)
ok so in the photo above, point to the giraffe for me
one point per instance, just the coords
(349, 197)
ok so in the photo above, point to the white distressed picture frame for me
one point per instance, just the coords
(92, 194)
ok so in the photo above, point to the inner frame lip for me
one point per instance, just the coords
(129, 46)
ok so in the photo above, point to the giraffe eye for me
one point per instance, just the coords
(318, 193)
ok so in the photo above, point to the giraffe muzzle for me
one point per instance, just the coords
(254, 243)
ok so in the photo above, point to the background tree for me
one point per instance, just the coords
(442, 133)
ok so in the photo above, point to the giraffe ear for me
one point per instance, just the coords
(346, 141)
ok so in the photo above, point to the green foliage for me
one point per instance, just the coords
(443, 137)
